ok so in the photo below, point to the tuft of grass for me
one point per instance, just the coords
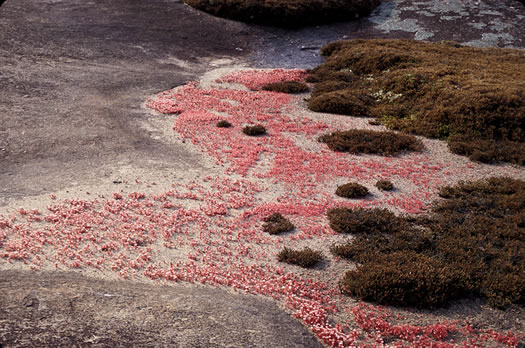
(276, 223)
(472, 244)
(305, 258)
(351, 190)
(384, 185)
(472, 97)
(286, 13)
(223, 124)
(290, 87)
(366, 141)
(255, 130)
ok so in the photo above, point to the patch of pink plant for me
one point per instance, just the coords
(218, 239)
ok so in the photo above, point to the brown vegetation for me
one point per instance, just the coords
(223, 124)
(385, 185)
(286, 13)
(472, 244)
(365, 141)
(276, 223)
(289, 87)
(305, 258)
(472, 97)
(351, 190)
(364, 221)
(258, 129)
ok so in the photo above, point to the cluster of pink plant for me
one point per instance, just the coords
(210, 231)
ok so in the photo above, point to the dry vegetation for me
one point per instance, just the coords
(472, 97)
(223, 124)
(286, 13)
(384, 185)
(305, 258)
(365, 141)
(290, 87)
(255, 130)
(351, 190)
(276, 223)
(473, 244)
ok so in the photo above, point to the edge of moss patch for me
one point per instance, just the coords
(471, 245)
(472, 97)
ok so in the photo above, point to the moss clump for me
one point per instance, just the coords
(365, 141)
(305, 258)
(276, 223)
(351, 190)
(258, 129)
(368, 247)
(384, 185)
(223, 124)
(342, 102)
(403, 279)
(365, 221)
(289, 87)
(474, 240)
(286, 13)
(472, 97)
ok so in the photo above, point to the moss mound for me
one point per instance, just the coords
(472, 97)
(276, 223)
(365, 221)
(351, 190)
(365, 141)
(403, 279)
(305, 258)
(223, 124)
(289, 87)
(368, 247)
(258, 129)
(472, 244)
(385, 185)
(286, 13)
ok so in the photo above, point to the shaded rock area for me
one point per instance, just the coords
(68, 309)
